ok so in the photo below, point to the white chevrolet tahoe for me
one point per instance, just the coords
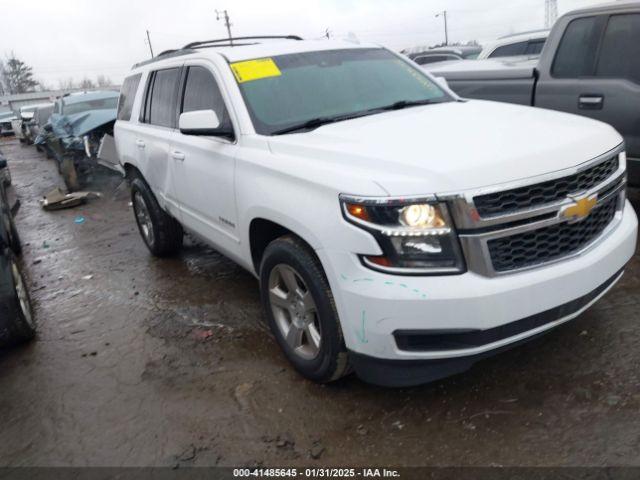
(396, 229)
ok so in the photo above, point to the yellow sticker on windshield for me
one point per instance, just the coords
(255, 69)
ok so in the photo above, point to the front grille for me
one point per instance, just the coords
(522, 198)
(550, 243)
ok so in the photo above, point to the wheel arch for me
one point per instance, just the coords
(262, 231)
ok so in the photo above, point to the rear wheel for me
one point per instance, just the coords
(301, 311)
(21, 324)
(162, 234)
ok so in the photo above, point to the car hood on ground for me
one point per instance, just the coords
(451, 146)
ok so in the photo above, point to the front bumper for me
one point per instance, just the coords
(374, 307)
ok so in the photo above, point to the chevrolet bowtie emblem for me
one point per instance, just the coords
(580, 209)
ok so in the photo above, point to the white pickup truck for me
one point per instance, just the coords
(384, 241)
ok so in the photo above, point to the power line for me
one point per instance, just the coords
(550, 12)
(226, 22)
(446, 32)
(149, 40)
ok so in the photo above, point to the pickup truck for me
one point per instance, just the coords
(590, 66)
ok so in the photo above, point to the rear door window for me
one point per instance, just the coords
(127, 96)
(509, 50)
(620, 50)
(161, 99)
(577, 51)
(201, 92)
(534, 47)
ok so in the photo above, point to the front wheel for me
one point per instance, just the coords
(301, 311)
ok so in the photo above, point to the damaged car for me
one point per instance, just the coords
(20, 124)
(74, 131)
(6, 118)
(40, 118)
(16, 315)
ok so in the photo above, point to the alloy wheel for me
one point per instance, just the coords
(23, 297)
(144, 219)
(294, 311)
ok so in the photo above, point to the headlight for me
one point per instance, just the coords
(416, 236)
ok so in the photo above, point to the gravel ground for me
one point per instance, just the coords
(141, 361)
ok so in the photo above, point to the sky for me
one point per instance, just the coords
(85, 38)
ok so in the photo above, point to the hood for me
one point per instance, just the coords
(83, 123)
(450, 147)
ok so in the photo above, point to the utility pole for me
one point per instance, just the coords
(446, 31)
(226, 22)
(149, 42)
(550, 12)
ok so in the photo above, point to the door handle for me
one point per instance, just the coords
(591, 101)
(177, 156)
(140, 144)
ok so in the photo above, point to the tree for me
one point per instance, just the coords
(66, 84)
(103, 81)
(86, 83)
(17, 76)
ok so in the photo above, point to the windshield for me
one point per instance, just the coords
(100, 104)
(287, 90)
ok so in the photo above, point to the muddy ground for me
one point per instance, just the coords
(141, 361)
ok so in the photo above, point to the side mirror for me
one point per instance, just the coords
(443, 83)
(200, 122)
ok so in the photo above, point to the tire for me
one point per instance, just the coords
(69, 174)
(308, 332)
(16, 304)
(9, 226)
(161, 233)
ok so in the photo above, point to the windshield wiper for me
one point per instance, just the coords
(309, 124)
(406, 103)
(320, 121)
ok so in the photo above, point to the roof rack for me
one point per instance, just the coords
(229, 41)
(221, 42)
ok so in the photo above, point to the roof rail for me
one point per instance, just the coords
(163, 56)
(221, 42)
(229, 40)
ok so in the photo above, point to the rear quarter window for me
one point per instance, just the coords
(161, 98)
(127, 96)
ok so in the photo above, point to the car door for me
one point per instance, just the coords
(204, 166)
(152, 136)
(596, 73)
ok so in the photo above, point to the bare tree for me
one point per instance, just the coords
(103, 81)
(86, 83)
(66, 84)
(2, 86)
(16, 76)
